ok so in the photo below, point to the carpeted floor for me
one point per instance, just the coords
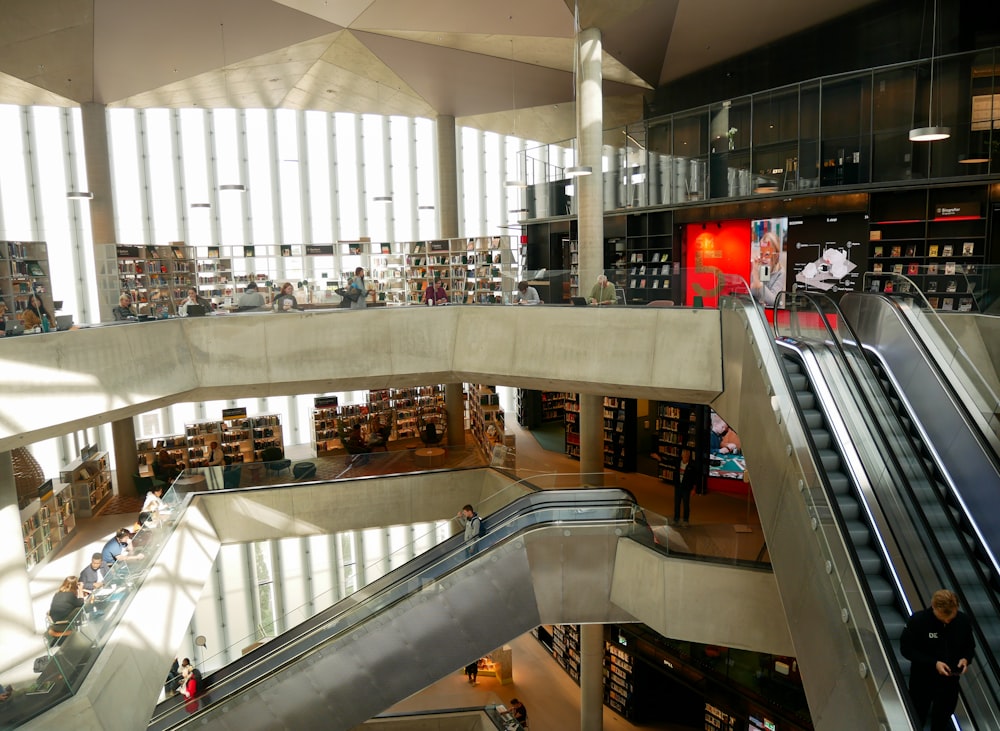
(121, 504)
(551, 436)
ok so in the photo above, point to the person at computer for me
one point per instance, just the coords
(215, 456)
(603, 292)
(526, 295)
(193, 298)
(251, 299)
(124, 310)
(66, 601)
(436, 294)
(92, 576)
(285, 301)
(119, 548)
(165, 466)
(33, 313)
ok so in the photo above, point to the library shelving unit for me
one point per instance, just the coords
(214, 272)
(566, 648)
(428, 262)
(649, 253)
(47, 521)
(156, 277)
(199, 436)
(24, 268)
(573, 257)
(619, 683)
(487, 260)
(553, 405)
(935, 238)
(237, 436)
(529, 407)
(387, 273)
(90, 483)
(678, 425)
(571, 417)
(486, 417)
(407, 403)
(147, 449)
(325, 437)
(266, 433)
(620, 433)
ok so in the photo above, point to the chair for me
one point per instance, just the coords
(231, 475)
(660, 303)
(620, 296)
(274, 460)
(144, 483)
(56, 632)
(430, 435)
(304, 470)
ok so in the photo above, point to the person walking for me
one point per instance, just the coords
(473, 526)
(688, 475)
(472, 671)
(939, 644)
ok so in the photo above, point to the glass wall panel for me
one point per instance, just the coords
(951, 107)
(893, 115)
(730, 133)
(691, 147)
(809, 98)
(845, 131)
(662, 183)
(774, 151)
(982, 152)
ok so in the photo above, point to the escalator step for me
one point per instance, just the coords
(881, 591)
(791, 366)
(799, 382)
(806, 399)
(821, 438)
(859, 534)
(869, 560)
(813, 418)
(829, 459)
(849, 507)
(838, 483)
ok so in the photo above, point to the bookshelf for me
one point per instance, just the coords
(266, 432)
(147, 449)
(486, 417)
(387, 270)
(156, 277)
(237, 436)
(89, 481)
(47, 521)
(566, 648)
(571, 417)
(935, 238)
(199, 436)
(619, 433)
(325, 437)
(619, 682)
(677, 425)
(24, 268)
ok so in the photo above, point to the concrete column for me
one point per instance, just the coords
(447, 203)
(21, 642)
(126, 460)
(455, 404)
(591, 440)
(591, 677)
(590, 188)
(102, 207)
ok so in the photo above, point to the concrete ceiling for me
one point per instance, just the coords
(502, 65)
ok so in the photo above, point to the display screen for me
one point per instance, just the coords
(725, 457)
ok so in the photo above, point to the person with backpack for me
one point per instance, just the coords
(473, 525)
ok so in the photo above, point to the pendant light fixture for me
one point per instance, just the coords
(931, 133)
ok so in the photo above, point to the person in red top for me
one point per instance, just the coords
(436, 294)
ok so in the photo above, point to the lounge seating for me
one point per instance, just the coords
(304, 470)
(274, 460)
(231, 475)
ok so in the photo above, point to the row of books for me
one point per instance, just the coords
(934, 250)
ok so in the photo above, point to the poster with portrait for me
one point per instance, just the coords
(725, 458)
(768, 260)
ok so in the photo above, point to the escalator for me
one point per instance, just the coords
(548, 555)
(922, 532)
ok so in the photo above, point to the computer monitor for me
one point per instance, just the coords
(578, 301)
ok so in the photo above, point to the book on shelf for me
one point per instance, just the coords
(877, 252)
(934, 302)
(913, 269)
(875, 235)
(947, 250)
(965, 304)
(178, 252)
(897, 268)
(35, 269)
(285, 250)
(888, 287)
(248, 252)
(896, 251)
(932, 268)
(386, 248)
(968, 248)
(933, 250)
(949, 267)
(952, 286)
(642, 284)
(932, 286)
(877, 267)
(948, 303)
(911, 250)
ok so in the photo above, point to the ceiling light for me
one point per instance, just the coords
(515, 184)
(382, 199)
(79, 195)
(201, 205)
(931, 133)
(425, 208)
(239, 187)
(578, 171)
(518, 210)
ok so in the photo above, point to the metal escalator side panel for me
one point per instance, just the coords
(812, 566)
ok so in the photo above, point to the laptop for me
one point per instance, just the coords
(578, 301)
(13, 326)
(64, 322)
(196, 310)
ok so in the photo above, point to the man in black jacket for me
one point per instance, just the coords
(938, 643)
(688, 480)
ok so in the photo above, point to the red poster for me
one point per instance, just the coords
(715, 254)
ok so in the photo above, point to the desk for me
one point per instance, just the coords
(429, 457)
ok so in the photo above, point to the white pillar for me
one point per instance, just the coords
(447, 203)
(102, 208)
(590, 224)
(21, 642)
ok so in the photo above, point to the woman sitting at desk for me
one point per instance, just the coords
(165, 466)
(285, 301)
(193, 298)
(34, 312)
(436, 294)
(66, 602)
